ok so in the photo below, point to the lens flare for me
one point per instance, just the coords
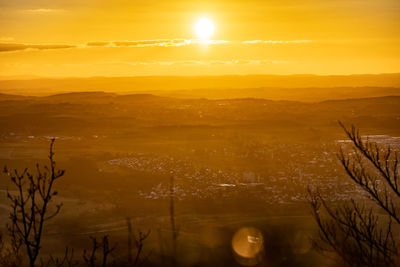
(248, 246)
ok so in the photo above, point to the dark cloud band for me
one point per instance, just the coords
(8, 47)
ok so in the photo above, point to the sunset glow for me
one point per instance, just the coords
(125, 38)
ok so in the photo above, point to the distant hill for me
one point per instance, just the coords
(291, 87)
(5, 97)
(312, 94)
(110, 113)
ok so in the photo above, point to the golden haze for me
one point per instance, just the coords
(133, 38)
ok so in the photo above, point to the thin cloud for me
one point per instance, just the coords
(8, 47)
(203, 62)
(154, 43)
(210, 42)
(277, 41)
(164, 63)
(98, 43)
(247, 62)
(144, 43)
(186, 42)
(42, 11)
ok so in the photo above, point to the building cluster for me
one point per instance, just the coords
(283, 173)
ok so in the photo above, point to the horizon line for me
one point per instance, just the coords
(38, 77)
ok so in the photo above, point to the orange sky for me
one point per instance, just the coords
(129, 37)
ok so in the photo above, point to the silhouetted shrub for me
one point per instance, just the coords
(353, 231)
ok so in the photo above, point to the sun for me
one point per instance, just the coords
(204, 28)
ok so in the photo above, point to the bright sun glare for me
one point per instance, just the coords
(204, 28)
